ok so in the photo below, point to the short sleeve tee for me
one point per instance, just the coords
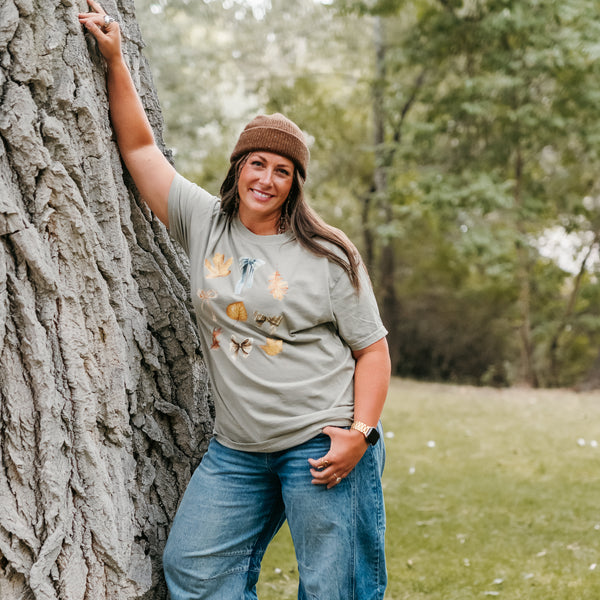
(277, 325)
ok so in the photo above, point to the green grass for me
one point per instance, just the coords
(505, 504)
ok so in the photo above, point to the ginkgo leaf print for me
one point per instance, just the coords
(277, 286)
(219, 266)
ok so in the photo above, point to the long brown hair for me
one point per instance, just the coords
(306, 225)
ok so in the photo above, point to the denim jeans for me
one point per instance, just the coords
(237, 501)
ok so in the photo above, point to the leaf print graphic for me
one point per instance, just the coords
(219, 267)
(216, 332)
(272, 347)
(277, 286)
(244, 347)
(237, 311)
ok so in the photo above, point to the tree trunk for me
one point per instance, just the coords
(388, 298)
(592, 380)
(104, 404)
(553, 346)
(529, 372)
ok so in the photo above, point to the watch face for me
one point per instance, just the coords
(373, 436)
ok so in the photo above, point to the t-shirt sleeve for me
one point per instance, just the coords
(188, 203)
(357, 315)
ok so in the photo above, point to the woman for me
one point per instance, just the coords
(298, 360)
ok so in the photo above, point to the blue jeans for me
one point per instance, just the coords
(237, 501)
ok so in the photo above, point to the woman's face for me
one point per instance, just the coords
(264, 184)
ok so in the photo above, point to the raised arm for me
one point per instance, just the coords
(151, 171)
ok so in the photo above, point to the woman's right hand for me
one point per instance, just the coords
(107, 36)
(151, 171)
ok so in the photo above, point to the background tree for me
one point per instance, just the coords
(104, 408)
(496, 151)
(455, 147)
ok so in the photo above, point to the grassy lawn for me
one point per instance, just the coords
(489, 493)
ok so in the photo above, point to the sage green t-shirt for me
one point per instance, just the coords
(277, 326)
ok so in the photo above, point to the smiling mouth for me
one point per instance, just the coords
(261, 195)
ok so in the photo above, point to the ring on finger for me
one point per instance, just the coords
(107, 21)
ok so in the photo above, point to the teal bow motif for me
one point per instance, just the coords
(248, 266)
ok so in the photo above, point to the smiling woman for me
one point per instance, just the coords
(297, 355)
(264, 185)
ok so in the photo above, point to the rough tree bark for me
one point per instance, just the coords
(104, 404)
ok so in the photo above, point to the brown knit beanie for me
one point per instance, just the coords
(274, 133)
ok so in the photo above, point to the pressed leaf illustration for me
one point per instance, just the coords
(216, 332)
(237, 311)
(277, 286)
(219, 266)
(272, 347)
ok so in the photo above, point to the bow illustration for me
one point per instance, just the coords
(274, 321)
(206, 296)
(248, 266)
(244, 347)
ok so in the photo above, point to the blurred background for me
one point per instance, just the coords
(455, 141)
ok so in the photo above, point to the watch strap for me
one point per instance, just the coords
(371, 434)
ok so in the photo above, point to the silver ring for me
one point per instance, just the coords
(107, 21)
(338, 479)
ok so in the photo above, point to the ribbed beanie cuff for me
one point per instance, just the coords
(274, 133)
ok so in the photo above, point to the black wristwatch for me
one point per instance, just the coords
(371, 434)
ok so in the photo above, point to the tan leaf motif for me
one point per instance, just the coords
(272, 347)
(237, 311)
(277, 286)
(219, 267)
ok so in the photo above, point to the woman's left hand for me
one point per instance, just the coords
(347, 448)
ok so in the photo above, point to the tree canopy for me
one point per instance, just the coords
(454, 141)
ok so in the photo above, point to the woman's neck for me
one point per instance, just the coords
(267, 226)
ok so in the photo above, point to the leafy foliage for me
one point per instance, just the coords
(449, 148)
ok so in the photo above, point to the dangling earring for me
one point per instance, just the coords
(283, 225)
(284, 217)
